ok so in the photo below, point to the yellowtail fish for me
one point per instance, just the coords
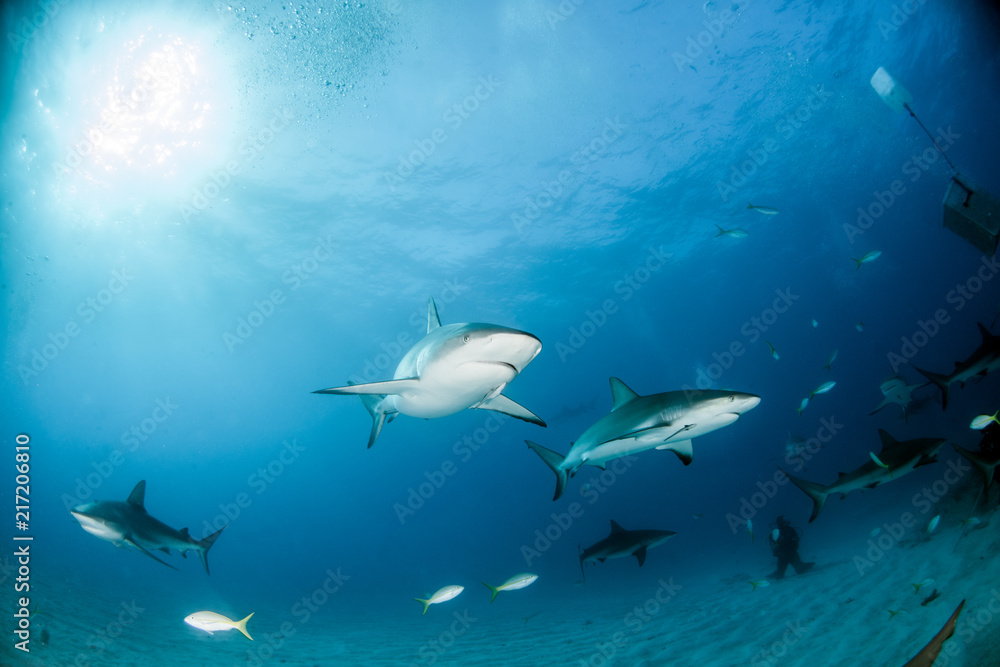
(933, 524)
(815, 324)
(982, 421)
(750, 529)
(833, 358)
(920, 584)
(823, 388)
(512, 584)
(211, 623)
(766, 210)
(774, 353)
(879, 463)
(735, 232)
(760, 583)
(442, 595)
(803, 405)
(860, 326)
(869, 256)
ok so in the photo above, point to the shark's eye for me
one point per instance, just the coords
(466, 338)
(732, 399)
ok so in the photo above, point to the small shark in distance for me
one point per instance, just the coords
(621, 543)
(896, 390)
(452, 368)
(127, 523)
(637, 423)
(985, 358)
(898, 458)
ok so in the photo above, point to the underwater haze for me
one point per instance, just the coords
(212, 211)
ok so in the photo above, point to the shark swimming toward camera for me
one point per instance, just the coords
(984, 359)
(453, 368)
(128, 524)
(621, 543)
(897, 459)
(637, 423)
(896, 391)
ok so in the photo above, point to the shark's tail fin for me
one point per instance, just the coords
(942, 383)
(984, 465)
(242, 626)
(426, 603)
(552, 460)
(206, 544)
(817, 492)
(374, 405)
(494, 590)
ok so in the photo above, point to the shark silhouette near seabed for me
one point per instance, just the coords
(128, 524)
(898, 459)
(621, 543)
(984, 359)
(453, 368)
(636, 423)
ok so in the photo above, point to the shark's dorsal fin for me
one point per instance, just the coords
(185, 533)
(615, 528)
(138, 495)
(620, 393)
(433, 321)
(888, 442)
(985, 333)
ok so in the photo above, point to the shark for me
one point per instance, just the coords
(896, 391)
(129, 524)
(986, 465)
(984, 359)
(666, 421)
(621, 543)
(929, 653)
(897, 457)
(453, 368)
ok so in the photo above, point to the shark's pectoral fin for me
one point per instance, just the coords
(130, 541)
(600, 559)
(870, 486)
(885, 402)
(682, 448)
(925, 460)
(165, 550)
(504, 405)
(387, 387)
(640, 555)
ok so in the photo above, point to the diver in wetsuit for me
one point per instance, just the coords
(786, 549)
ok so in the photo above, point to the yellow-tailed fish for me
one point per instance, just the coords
(211, 623)
(750, 529)
(920, 584)
(823, 388)
(879, 463)
(982, 421)
(512, 584)
(760, 583)
(869, 256)
(893, 613)
(802, 405)
(933, 524)
(774, 353)
(735, 232)
(442, 595)
(833, 357)
(765, 210)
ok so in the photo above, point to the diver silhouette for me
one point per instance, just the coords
(785, 546)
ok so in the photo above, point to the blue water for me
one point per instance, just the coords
(211, 211)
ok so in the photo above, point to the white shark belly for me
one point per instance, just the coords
(445, 391)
